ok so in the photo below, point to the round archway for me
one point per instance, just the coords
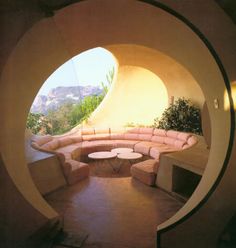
(62, 37)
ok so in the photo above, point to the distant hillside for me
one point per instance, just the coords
(60, 95)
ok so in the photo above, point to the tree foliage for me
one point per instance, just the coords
(38, 123)
(109, 78)
(182, 115)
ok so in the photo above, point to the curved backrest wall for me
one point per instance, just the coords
(72, 30)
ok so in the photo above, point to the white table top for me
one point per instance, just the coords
(129, 155)
(102, 155)
(122, 150)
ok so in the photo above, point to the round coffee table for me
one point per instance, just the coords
(129, 155)
(122, 150)
(102, 157)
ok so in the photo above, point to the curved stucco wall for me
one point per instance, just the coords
(137, 96)
(143, 97)
(167, 69)
(18, 88)
(53, 41)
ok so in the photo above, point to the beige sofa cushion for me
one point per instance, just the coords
(145, 137)
(172, 134)
(145, 171)
(87, 131)
(67, 149)
(190, 142)
(155, 152)
(146, 130)
(102, 130)
(65, 141)
(117, 136)
(125, 143)
(131, 136)
(158, 139)
(42, 139)
(132, 130)
(52, 145)
(76, 139)
(35, 145)
(159, 132)
(179, 143)
(143, 147)
(184, 136)
(63, 156)
(174, 142)
(88, 137)
(98, 143)
(75, 171)
(102, 136)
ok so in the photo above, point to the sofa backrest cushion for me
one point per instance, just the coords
(35, 145)
(158, 139)
(145, 137)
(65, 141)
(102, 133)
(102, 130)
(179, 143)
(117, 136)
(159, 132)
(87, 131)
(88, 137)
(52, 145)
(172, 134)
(102, 136)
(131, 136)
(184, 136)
(169, 141)
(146, 130)
(43, 140)
(192, 140)
(76, 139)
(174, 142)
(132, 130)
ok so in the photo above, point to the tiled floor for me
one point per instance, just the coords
(115, 212)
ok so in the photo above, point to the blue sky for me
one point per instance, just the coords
(87, 68)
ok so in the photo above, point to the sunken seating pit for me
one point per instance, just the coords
(74, 146)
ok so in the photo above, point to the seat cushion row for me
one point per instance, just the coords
(148, 141)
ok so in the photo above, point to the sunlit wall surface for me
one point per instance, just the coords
(226, 98)
(137, 96)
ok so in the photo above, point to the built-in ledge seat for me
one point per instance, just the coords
(74, 146)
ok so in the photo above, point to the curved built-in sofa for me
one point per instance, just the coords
(74, 147)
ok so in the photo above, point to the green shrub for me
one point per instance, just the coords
(182, 115)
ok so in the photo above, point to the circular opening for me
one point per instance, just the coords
(187, 49)
(72, 92)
